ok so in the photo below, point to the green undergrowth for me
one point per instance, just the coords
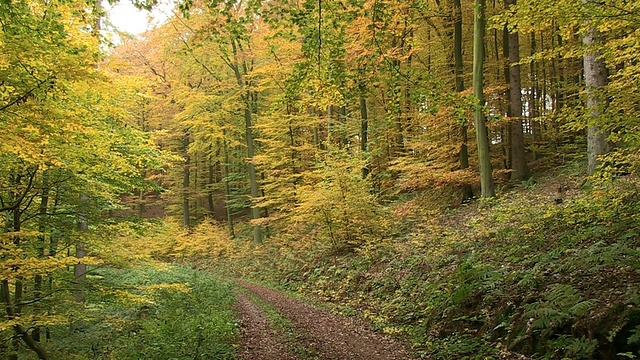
(549, 270)
(159, 312)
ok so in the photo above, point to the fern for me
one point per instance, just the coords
(562, 303)
(574, 348)
(635, 336)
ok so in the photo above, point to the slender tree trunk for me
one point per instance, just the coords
(186, 181)
(408, 104)
(397, 93)
(54, 239)
(316, 138)
(255, 210)
(496, 46)
(533, 96)
(506, 139)
(463, 154)
(316, 132)
(18, 290)
(80, 270)
(227, 188)
(211, 181)
(249, 99)
(42, 228)
(328, 145)
(342, 121)
(484, 158)
(364, 130)
(596, 78)
(293, 155)
(16, 309)
(519, 168)
(141, 203)
(21, 331)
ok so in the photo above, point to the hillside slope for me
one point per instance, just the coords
(547, 270)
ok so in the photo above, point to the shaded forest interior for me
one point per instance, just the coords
(461, 174)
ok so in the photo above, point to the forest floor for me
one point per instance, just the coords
(276, 326)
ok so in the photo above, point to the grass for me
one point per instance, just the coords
(167, 312)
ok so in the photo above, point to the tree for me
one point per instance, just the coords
(64, 133)
(519, 168)
(595, 78)
(484, 159)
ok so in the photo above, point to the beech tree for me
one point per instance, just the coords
(595, 78)
(519, 168)
(484, 159)
(64, 132)
(270, 94)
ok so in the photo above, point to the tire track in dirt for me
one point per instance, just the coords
(259, 340)
(331, 336)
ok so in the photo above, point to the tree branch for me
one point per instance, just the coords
(25, 95)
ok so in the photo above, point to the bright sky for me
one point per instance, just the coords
(125, 17)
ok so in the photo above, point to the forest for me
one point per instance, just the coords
(460, 176)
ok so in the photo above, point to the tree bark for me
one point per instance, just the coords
(42, 228)
(186, 181)
(21, 331)
(463, 154)
(364, 130)
(249, 105)
(595, 77)
(227, 188)
(80, 270)
(484, 158)
(519, 168)
(255, 210)
(210, 184)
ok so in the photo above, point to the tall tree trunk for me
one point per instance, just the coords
(293, 154)
(596, 77)
(54, 238)
(227, 188)
(210, 183)
(364, 129)
(186, 181)
(141, 203)
(80, 270)
(397, 108)
(534, 93)
(250, 105)
(316, 132)
(506, 139)
(328, 145)
(463, 154)
(342, 122)
(496, 45)
(484, 158)
(519, 168)
(42, 228)
(255, 210)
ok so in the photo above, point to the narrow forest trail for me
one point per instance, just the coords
(275, 326)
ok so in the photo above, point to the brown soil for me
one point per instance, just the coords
(260, 342)
(326, 335)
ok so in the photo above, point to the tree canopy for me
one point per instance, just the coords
(301, 123)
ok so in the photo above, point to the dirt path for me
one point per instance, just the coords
(323, 334)
(260, 341)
